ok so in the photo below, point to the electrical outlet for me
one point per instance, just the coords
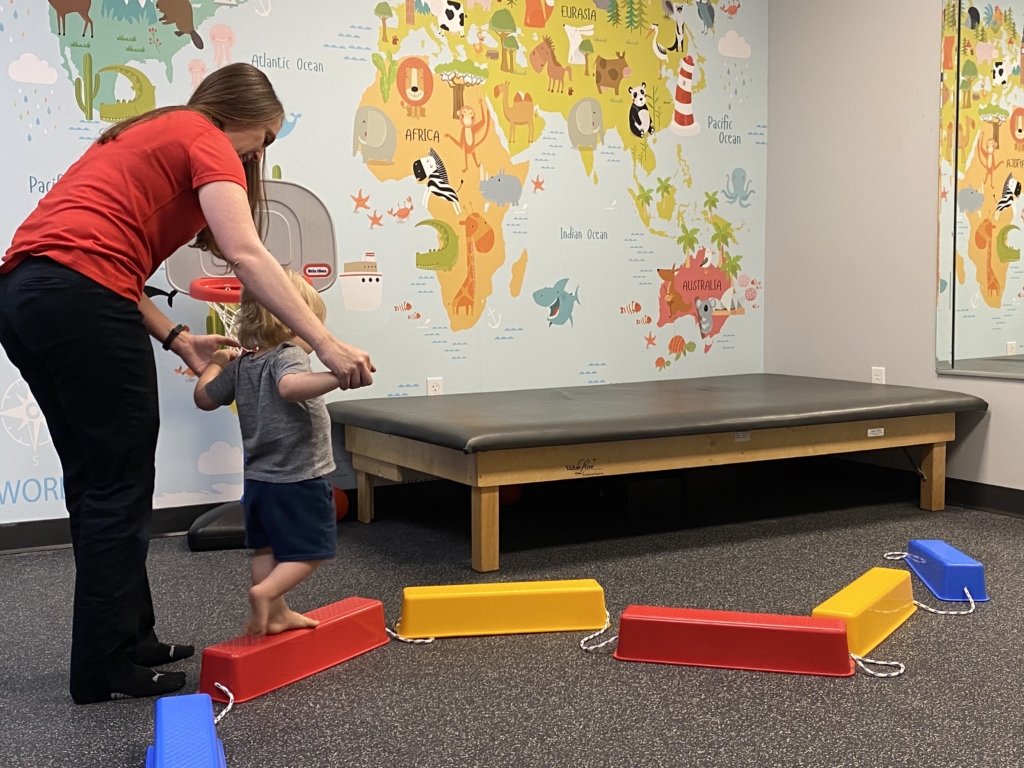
(878, 375)
(435, 386)
(1011, 347)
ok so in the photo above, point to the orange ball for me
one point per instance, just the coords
(340, 503)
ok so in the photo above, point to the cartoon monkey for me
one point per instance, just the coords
(987, 159)
(415, 85)
(469, 139)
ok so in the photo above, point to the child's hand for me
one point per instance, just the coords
(223, 356)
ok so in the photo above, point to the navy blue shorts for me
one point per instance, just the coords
(296, 520)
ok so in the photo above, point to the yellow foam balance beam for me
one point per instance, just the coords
(510, 608)
(873, 606)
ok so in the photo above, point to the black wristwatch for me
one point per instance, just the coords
(173, 335)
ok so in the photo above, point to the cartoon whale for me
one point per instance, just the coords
(559, 302)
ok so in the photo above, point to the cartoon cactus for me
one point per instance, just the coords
(214, 325)
(388, 72)
(87, 87)
(275, 172)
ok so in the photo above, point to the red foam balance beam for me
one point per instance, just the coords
(252, 666)
(753, 641)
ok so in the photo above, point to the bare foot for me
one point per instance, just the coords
(259, 615)
(289, 619)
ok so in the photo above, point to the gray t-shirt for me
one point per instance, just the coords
(284, 442)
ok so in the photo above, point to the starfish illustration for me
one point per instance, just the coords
(376, 220)
(649, 339)
(945, 193)
(360, 201)
(538, 184)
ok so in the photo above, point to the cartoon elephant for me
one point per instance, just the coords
(375, 133)
(586, 124)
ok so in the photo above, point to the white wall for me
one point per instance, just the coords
(853, 105)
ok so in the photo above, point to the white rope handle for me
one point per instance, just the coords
(950, 613)
(231, 703)
(588, 638)
(412, 641)
(862, 662)
(903, 556)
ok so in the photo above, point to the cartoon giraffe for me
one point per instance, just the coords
(479, 236)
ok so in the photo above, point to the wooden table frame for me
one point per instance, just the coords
(375, 454)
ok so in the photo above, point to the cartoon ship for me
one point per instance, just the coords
(361, 284)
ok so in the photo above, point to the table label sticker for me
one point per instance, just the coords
(742, 437)
(877, 432)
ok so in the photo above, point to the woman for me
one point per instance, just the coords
(74, 320)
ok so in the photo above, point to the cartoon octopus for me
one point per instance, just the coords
(740, 191)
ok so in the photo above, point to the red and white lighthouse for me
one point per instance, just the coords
(683, 123)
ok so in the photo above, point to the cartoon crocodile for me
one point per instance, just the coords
(447, 252)
(144, 101)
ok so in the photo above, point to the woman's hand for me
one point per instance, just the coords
(350, 364)
(197, 351)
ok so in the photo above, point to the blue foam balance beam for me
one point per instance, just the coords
(946, 571)
(185, 736)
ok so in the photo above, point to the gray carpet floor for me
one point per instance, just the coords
(537, 700)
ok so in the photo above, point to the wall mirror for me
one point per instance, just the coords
(980, 286)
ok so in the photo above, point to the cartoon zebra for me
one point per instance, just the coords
(431, 169)
(1011, 191)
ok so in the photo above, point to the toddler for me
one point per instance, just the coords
(286, 435)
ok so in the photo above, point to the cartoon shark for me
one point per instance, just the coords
(559, 301)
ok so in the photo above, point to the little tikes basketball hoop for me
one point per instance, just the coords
(299, 234)
(223, 294)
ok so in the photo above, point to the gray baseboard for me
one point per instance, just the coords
(989, 498)
(51, 534)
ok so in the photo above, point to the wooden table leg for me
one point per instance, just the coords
(933, 486)
(485, 529)
(364, 485)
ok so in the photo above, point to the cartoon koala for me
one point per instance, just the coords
(705, 311)
(640, 122)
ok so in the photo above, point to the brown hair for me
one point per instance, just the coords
(259, 329)
(235, 96)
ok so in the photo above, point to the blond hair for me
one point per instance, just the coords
(259, 329)
(236, 96)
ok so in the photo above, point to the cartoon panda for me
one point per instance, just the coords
(640, 122)
(999, 74)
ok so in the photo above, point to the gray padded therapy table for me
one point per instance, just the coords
(491, 439)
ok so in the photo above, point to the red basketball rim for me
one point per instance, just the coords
(217, 290)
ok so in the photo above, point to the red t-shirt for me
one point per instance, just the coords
(126, 205)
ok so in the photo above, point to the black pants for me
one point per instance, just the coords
(85, 354)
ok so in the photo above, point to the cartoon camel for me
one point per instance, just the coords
(518, 112)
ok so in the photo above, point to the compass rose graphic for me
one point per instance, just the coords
(22, 417)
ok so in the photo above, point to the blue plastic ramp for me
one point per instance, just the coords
(185, 736)
(946, 571)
